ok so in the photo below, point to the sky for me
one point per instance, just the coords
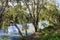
(58, 1)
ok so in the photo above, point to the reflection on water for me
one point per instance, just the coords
(14, 36)
(9, 38)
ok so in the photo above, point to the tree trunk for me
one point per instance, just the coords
(36, 19)
(0, 21)
(17, 28)
(36, 29)
(26, 31)
(1, 11)
(25, 26)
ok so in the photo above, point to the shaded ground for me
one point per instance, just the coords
(49, 33)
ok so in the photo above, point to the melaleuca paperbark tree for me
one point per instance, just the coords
(34, 8)
(4, 5)
(33, 15)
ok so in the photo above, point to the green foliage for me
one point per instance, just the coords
(4, 39)
(17, 1)
(50, 37)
